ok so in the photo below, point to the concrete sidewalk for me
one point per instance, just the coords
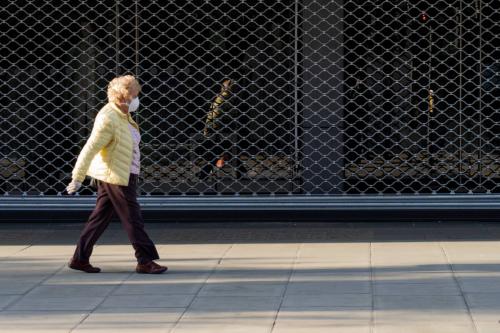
(257, 277)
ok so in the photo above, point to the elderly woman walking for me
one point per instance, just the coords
(111, 156)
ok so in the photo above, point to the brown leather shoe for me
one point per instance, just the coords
(150, 268)
(83, 266)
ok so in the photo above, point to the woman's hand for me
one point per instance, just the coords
(73, 187)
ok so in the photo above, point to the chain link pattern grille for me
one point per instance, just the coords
(329, 97)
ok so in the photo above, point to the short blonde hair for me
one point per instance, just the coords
(120, 87)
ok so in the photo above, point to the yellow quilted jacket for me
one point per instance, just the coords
(107, 154)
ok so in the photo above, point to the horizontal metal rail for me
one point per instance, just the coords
(303, 203)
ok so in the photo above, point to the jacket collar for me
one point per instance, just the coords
(125, 116)
(117, 109)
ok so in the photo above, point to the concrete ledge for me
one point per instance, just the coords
(269, 203)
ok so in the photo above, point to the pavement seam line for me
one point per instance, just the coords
(4, 308)
(17, 300)
(224, 254)
(199, 290)
(469, 312)
(33, 243)
(35, 286)
(15, 253)
(292, 269)
(100, 303)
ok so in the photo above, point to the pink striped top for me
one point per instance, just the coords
(135, 168)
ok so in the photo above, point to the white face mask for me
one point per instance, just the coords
(133, 105)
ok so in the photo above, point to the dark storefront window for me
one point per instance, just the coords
(329, 97)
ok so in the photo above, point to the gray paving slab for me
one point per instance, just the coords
(484, 301)
(9, 250)
(243, 289)
(250, 272)
(258, 251)
(413, 273)
(485, 310)
(422, 314)
(130, 320)
(327, 300)
(235, 303)
(326, 271)
(229, 314)
(486, 323)
(323, 320)
(233, 322)
(422, 288)
(69, 276)
(115, 250)
(5, 300)
(46, 251)
(71, 290)
(188, 252)
(328, 287)
(483, 284)
(255, 262)
(13, 267)
(147, 301)
(437, 324)
(178, 280)
(424, 303)
(334, 252)
(13, 287)
(471, 252)
(174, 288)
(34, 303)
(478, 277)
(39, 321)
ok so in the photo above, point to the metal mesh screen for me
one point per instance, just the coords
(329, 97)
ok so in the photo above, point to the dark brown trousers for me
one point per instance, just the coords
(123, 201)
